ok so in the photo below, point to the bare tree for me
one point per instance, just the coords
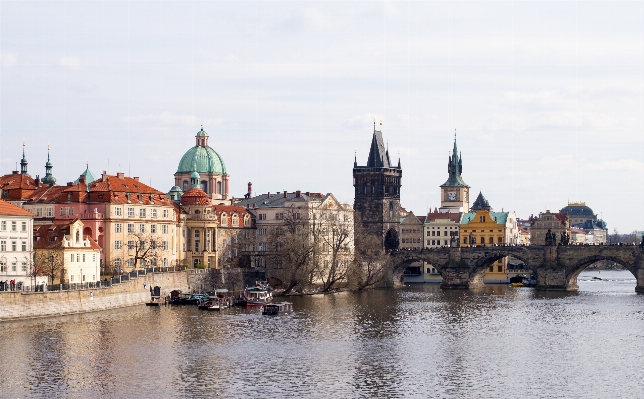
(372, 265)
(334, 233)
(145, 248)
(292, 251)
(51, 263)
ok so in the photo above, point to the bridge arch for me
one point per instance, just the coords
(482, 264)
(573, 272)
(401, 260)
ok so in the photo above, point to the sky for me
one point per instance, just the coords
(545, 97)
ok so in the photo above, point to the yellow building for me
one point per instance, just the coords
(482, 227)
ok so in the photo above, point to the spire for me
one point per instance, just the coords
(378, 155)
(23, 161)
(455, 167)
(355, 159)
(481, 204)
(48, 179)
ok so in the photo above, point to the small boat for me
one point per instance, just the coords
(274, 309)
(181, 298)
(255, 296)
(522, 281)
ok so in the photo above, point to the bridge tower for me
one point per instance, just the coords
(377, 192)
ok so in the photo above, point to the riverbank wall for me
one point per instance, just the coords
(234, 279)
(16, 305)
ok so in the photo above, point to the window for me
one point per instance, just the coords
(164, 229)
(197, 245)
(499, 268)
(13, 226)
(23, 266)
(130, 212)
(118, 211)
(500, 240)
(142, 213)
(153, 244)
(71, 278)
(153, 262)
(3, 246)
(130, 262)
(61, 211)
(261, 246)
(83, 257)
(117, 228)
(117, 262)
(262, 216)
(153, 213)
(482, 240)
(14, 246)
(50, 212)
(3, 226)
(142, 245)
(141, 228)
(130, 227)
(77, 257)
(491, 241)
(153, 228)
(38, 212)
(71, 257)
(130, 245)
(165, 262)
(117, 244)
(164, 245)
(165, 213)
(224, 220)
(24, 246)
(261, 232)
(93, 257)
(279, 216)
(3, 266)
(235, 220)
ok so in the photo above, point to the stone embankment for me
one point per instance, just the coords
(24, 305)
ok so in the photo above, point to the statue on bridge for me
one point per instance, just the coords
(551, 238)
(565, 239)
(472, 240)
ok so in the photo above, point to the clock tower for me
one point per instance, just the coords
(455, 193)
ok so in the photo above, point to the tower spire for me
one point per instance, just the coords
(23, 161)
(48, 179)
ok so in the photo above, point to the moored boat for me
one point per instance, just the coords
(274, 309)
(255, 296)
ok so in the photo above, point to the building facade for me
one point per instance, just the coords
(557, 223)
(65, 255)
(16, 244)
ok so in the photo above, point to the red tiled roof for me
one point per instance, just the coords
(453, 216)
(16, 186)
(10, 209)
(195, 196)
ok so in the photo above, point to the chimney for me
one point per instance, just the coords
(103, 175)
(250, 189)
(15, 172)
(69, 184)
(269, 194)
(307, 194)
(285, 194)
(136, 178)
(120, 175)
(37, 181)
(297, 194)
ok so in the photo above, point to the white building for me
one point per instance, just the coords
(16, 243)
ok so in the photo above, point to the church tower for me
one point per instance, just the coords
(377, 192)
(455, 192)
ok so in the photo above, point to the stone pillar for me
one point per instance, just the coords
(456, 274)
(639, 275)
(551, 275)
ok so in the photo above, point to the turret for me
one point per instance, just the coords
(49, 178)
(23, 162)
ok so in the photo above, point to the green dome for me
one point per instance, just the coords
(206, 160)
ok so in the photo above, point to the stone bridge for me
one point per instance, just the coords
(555, 267)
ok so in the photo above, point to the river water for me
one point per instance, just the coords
(417, 342)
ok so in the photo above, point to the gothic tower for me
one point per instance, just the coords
(455, 192)
(377, 193)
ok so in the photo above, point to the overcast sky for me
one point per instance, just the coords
(546, 97)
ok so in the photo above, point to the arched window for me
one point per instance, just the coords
(482, 240)
(491, 240)
(500, 240)
(218, 187)
(204, 186)
(185, 186)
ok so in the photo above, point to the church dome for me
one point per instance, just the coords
(579, 209)
(195, 196)
(206, 160)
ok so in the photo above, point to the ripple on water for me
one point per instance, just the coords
(419, 341)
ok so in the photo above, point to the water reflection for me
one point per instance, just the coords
(419, 341)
